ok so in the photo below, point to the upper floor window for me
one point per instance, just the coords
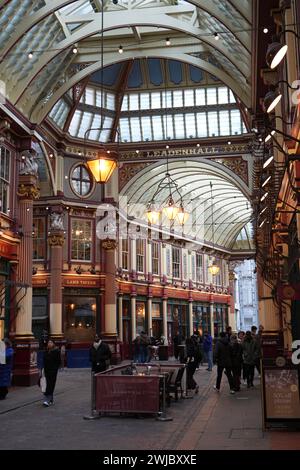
(39, 238)
(176, 262)
(81, 240)
(218, 277)
(4, 179)
(125, 253)
(155, 258)
(81, 180)
(199, 267)
(140, 255)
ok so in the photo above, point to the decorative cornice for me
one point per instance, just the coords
(28, 191)
(56, 239)
(109, 244)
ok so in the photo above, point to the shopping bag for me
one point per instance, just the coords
(43, 382)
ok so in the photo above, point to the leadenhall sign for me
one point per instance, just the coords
(185, 152)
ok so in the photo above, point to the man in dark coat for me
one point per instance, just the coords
(250, 354)
(52, 362)
(236, 360)
(223, 360)
(100, 355)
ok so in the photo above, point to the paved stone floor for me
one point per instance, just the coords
(210, 421)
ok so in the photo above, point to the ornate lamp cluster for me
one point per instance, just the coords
(173, 211)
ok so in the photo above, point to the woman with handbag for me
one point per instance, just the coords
(52, 362)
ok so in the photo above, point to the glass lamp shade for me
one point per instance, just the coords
(182, 216)
(275, 54)
(271, 100)
(101, 168)
(171, 210)
(214, 269)
(152, 215)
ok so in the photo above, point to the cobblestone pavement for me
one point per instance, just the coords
(210, 420)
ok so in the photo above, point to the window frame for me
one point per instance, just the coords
(92, 180)
(176, 264)
(81, 219)
(140, 257)
(156, 259)
(40, 240)
(5, 183)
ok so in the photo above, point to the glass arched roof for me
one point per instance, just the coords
(229, 208)
(49, 29)
(160, 100)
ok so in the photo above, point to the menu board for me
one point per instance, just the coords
(282, 399)
(131, 393)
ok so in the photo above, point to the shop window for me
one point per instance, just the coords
(4, 179)
(81, 240)
(176, 262)
(125, 253)
(157, 324)
(39, 238)
(155, 258)
(140, 254)
(81, 180)
(140, 317)
(80, 318)
(199, 267)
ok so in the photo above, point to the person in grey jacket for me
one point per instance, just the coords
(250, 353)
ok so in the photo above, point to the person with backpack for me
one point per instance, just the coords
(224, 362)
(250, 353)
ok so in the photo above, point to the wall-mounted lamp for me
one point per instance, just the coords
(277, 51)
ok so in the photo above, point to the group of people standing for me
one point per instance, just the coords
(238, 355)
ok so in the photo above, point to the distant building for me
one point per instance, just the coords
(247, 305)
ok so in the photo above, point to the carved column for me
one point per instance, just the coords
(165, 318)
(56, 242)
(211, 316)
(121, 317)
(191, 324)
(110, 310)
(25, 359)
(231, 306)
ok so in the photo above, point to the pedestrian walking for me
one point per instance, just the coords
(52, 362)
(177, 340)
(144, 343)
(236, 360)
(208, 350)
(191, 355)
(250, 351)
(223, 360)
(257, 337)
(5, 367)
(100, 355)
(197, 349)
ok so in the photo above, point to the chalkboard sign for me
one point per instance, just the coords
(281, 396)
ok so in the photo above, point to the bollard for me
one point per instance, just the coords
(93, 414)
(163, 416)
